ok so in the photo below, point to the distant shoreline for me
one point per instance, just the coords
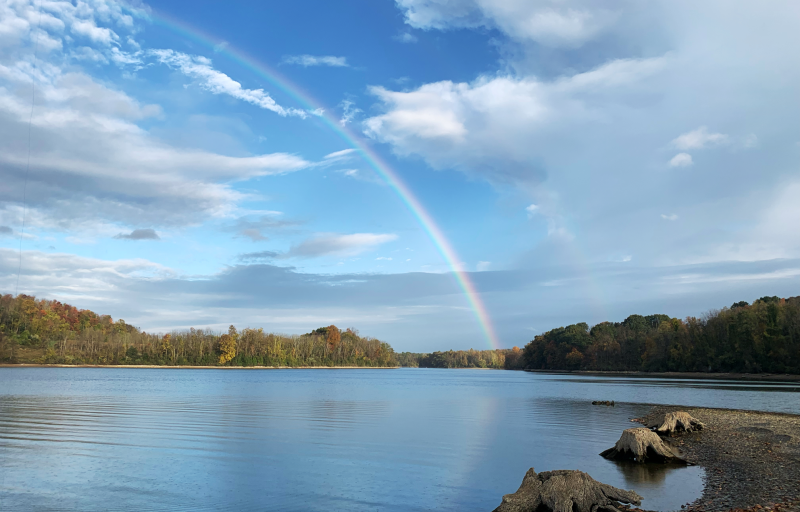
(186, 367)
(764, 377)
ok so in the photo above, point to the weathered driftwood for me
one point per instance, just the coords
(565, 491)
(679, 421)
(641, 445)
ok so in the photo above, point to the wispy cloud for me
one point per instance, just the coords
(255, 229)
(349, 112)
(316, 60)
(532, 210)
(671, 216)
(259, 256)
(699, 139)
(324, 244)
(216, 82)
(340, 155)
(483, 266)
(139, 234)
(681, 160)
(750, 142)
(406, 37)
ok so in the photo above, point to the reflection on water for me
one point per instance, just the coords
(136, 439)
(653, 475)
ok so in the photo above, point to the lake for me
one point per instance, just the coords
(93, 439)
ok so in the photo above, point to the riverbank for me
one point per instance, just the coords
(773, 377)
(152, 366)
(751, 459)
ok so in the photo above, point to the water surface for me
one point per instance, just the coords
(389, 440)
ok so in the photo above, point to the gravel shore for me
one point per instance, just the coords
(752, 459)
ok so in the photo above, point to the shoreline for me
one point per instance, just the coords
(751, 459)
(764, 377)
(186, 367)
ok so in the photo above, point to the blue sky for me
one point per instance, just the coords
(585, 161)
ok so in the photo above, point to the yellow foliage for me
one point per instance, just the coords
(166, 346)
(227, 348)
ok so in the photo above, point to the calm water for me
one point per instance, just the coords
(307, 440)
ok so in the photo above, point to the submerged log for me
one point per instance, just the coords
(641, 445)
(565, 491)
(679, 421)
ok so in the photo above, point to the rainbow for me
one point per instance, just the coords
(368, 154)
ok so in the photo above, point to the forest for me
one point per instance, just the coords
(762, 337)
(495, 359)
(49, 332)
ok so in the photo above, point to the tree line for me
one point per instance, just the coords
(495, 359)
(762, 337)
(50, 332)
(752, 338)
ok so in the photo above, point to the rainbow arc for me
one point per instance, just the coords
(369, 156)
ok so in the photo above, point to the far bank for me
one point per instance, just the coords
(761, 377)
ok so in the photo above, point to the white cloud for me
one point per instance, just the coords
(681, 160)
(123, 59)
(326, 244)
(532, 210)
(699, 139)
(57, 22)
(340, 155)
(94, 166)
(61, 275)
(349, 112)
(750, 142)
(88, 54)
(406, 37)
(216, 82)
(495, 126)
(89, 29)
(483, 266)
(316, 60)
(383, 258)
(548, 22)
(671, 216)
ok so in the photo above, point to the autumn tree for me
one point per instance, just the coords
(166, 346)
(333, 338)
(574, 359)
(227, 348)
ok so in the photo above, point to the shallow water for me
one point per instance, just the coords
(406, 439)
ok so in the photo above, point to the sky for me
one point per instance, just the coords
(439, 174)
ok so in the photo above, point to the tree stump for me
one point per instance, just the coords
(641, 445)
(565, 491)
(679, 421)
